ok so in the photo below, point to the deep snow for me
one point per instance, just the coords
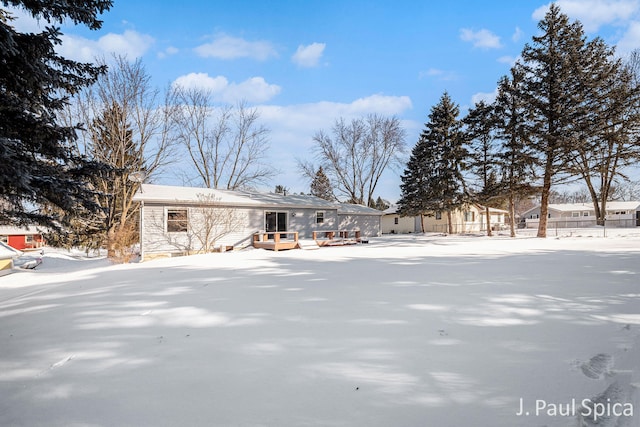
(405, 331)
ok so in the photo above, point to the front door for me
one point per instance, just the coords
(274, 222)
(637, 218)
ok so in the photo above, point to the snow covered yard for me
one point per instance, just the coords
(405, 331)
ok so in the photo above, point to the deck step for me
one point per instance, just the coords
(308, 244)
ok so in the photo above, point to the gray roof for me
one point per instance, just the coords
(167, 194)
(351, 209)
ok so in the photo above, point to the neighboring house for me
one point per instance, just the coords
(577, 215)
(470, 219)
(362, 218)
(393, 223)
(21, 238)
(179, 220)
(7, 255)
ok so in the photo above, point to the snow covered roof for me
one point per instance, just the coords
(574, 207)
(493, 210)
(392, 210)
(351, 209)
(10, 230)
(581, 207)
(151, 193)
(7, 251)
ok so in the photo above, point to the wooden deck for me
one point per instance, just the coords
(276, 241)
(284, 240)
(337, 237)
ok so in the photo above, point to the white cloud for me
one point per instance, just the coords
(593, 13)
(308, 56)
(487, 97)
(171, 50)
(253, 90)
(24, 22)
(293, 127)
(631, 39)
(511, 60)
(517, 35)
(130, 44)
(482, 38)
(438, 74)
(228, 47)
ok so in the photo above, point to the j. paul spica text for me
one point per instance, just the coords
(586, 407)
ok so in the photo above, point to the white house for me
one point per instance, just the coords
(576, 215)
(470, 219)
(179, 220)
(393, 223)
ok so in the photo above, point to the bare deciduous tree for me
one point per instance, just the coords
(128, 130)
(356, 154)
(227, 145)
(211, 221)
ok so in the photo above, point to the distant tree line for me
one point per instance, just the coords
(569, 110)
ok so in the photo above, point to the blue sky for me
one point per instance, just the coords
(305, 63)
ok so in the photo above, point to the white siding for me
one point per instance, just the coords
(368, 225)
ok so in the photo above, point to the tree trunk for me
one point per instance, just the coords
(450, 221)
(422, 222)
(544, 202)
(488, 215)
(111, 242)
(512, 215)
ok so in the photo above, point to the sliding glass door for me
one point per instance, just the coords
(275, 222)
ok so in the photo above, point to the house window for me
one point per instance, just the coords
(534, 216)
(319, 217)
(28, 238)
(177, 220)
(469, 216)
(585, 213)
(438, 215)
(575, 214)
(396, 220)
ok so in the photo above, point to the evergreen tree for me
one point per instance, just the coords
(40, 165)
(433, 181)
(515, 157)
(556, 91)
(381, 204)
(481, 126)
(609, 135)
(321, 186)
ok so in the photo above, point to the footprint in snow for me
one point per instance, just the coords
(598, 366)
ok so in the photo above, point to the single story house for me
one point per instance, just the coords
(577, 215)
(470, 219)
(7, 255)
(22, 238)
(181, 220)
(393, 223)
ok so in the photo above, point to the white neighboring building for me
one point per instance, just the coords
(470, 219)
(393, 223)
(578, 215)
